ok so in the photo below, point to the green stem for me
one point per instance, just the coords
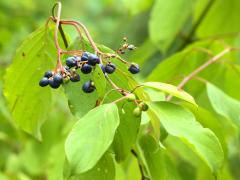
(196, 25)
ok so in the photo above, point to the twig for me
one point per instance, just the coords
(89, 37)
(120, 90)
(63, 36)
(201, 68)
(78, 30)
(140, 166)
(60, 27)
(59, 64)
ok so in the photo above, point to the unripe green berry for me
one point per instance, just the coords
(66, 79)
(143, 106)
(131, 97)
(137, 112)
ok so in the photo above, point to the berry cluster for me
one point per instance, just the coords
(138, 110)
(125, 46)
(86, 63)
(54, 80)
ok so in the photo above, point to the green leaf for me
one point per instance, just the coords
(224, 104)
(167, 19)
(170, 89)
(181, 123)
(125, 139)
(28, 102)
(129, 169)
(99, 81)
(209, 120)
(104, 169)
(79, 102)
(217, 21)
(157, 163)
(90, 137)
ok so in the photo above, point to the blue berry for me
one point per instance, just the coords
(86, 68)
(134, 69)
(75, 78)
(85, 56)
(77, 58)
(110, 68)
(48, 74)
(88, 87)
(54, 84)
(58, 78)
(43, 82)
(71, 62)
(93, 59)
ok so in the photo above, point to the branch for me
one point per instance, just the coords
(201, 68)
(57, 25)
(63, 36)
(78, 30)
(140, 166)
(196, 25)
(89, 37)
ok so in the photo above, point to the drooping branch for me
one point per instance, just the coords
(201, 68)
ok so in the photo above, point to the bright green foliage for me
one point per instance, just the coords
(104, 169)
(172, 90)
(167, 19)
(181, 123)
(225, 16)
(76, 97)
(208, 120)
(127, 132)
(99, 81)
(158, 164)
(224, 104)
(23, 94)
(194, 136)
(90, 137)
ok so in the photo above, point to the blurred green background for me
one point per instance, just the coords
(23, 158)
(107, 20)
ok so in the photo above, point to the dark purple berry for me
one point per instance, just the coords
(58, 78)
(71, 62)
(93, 59)
(54, 84)
(85, 56)
(48, 74)
(77, 58)
(134, 69)
(110, 68)
(88, 87)
(86, 68)
(43, 82)
(75, 78)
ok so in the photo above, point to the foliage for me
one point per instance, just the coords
(189, 81)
